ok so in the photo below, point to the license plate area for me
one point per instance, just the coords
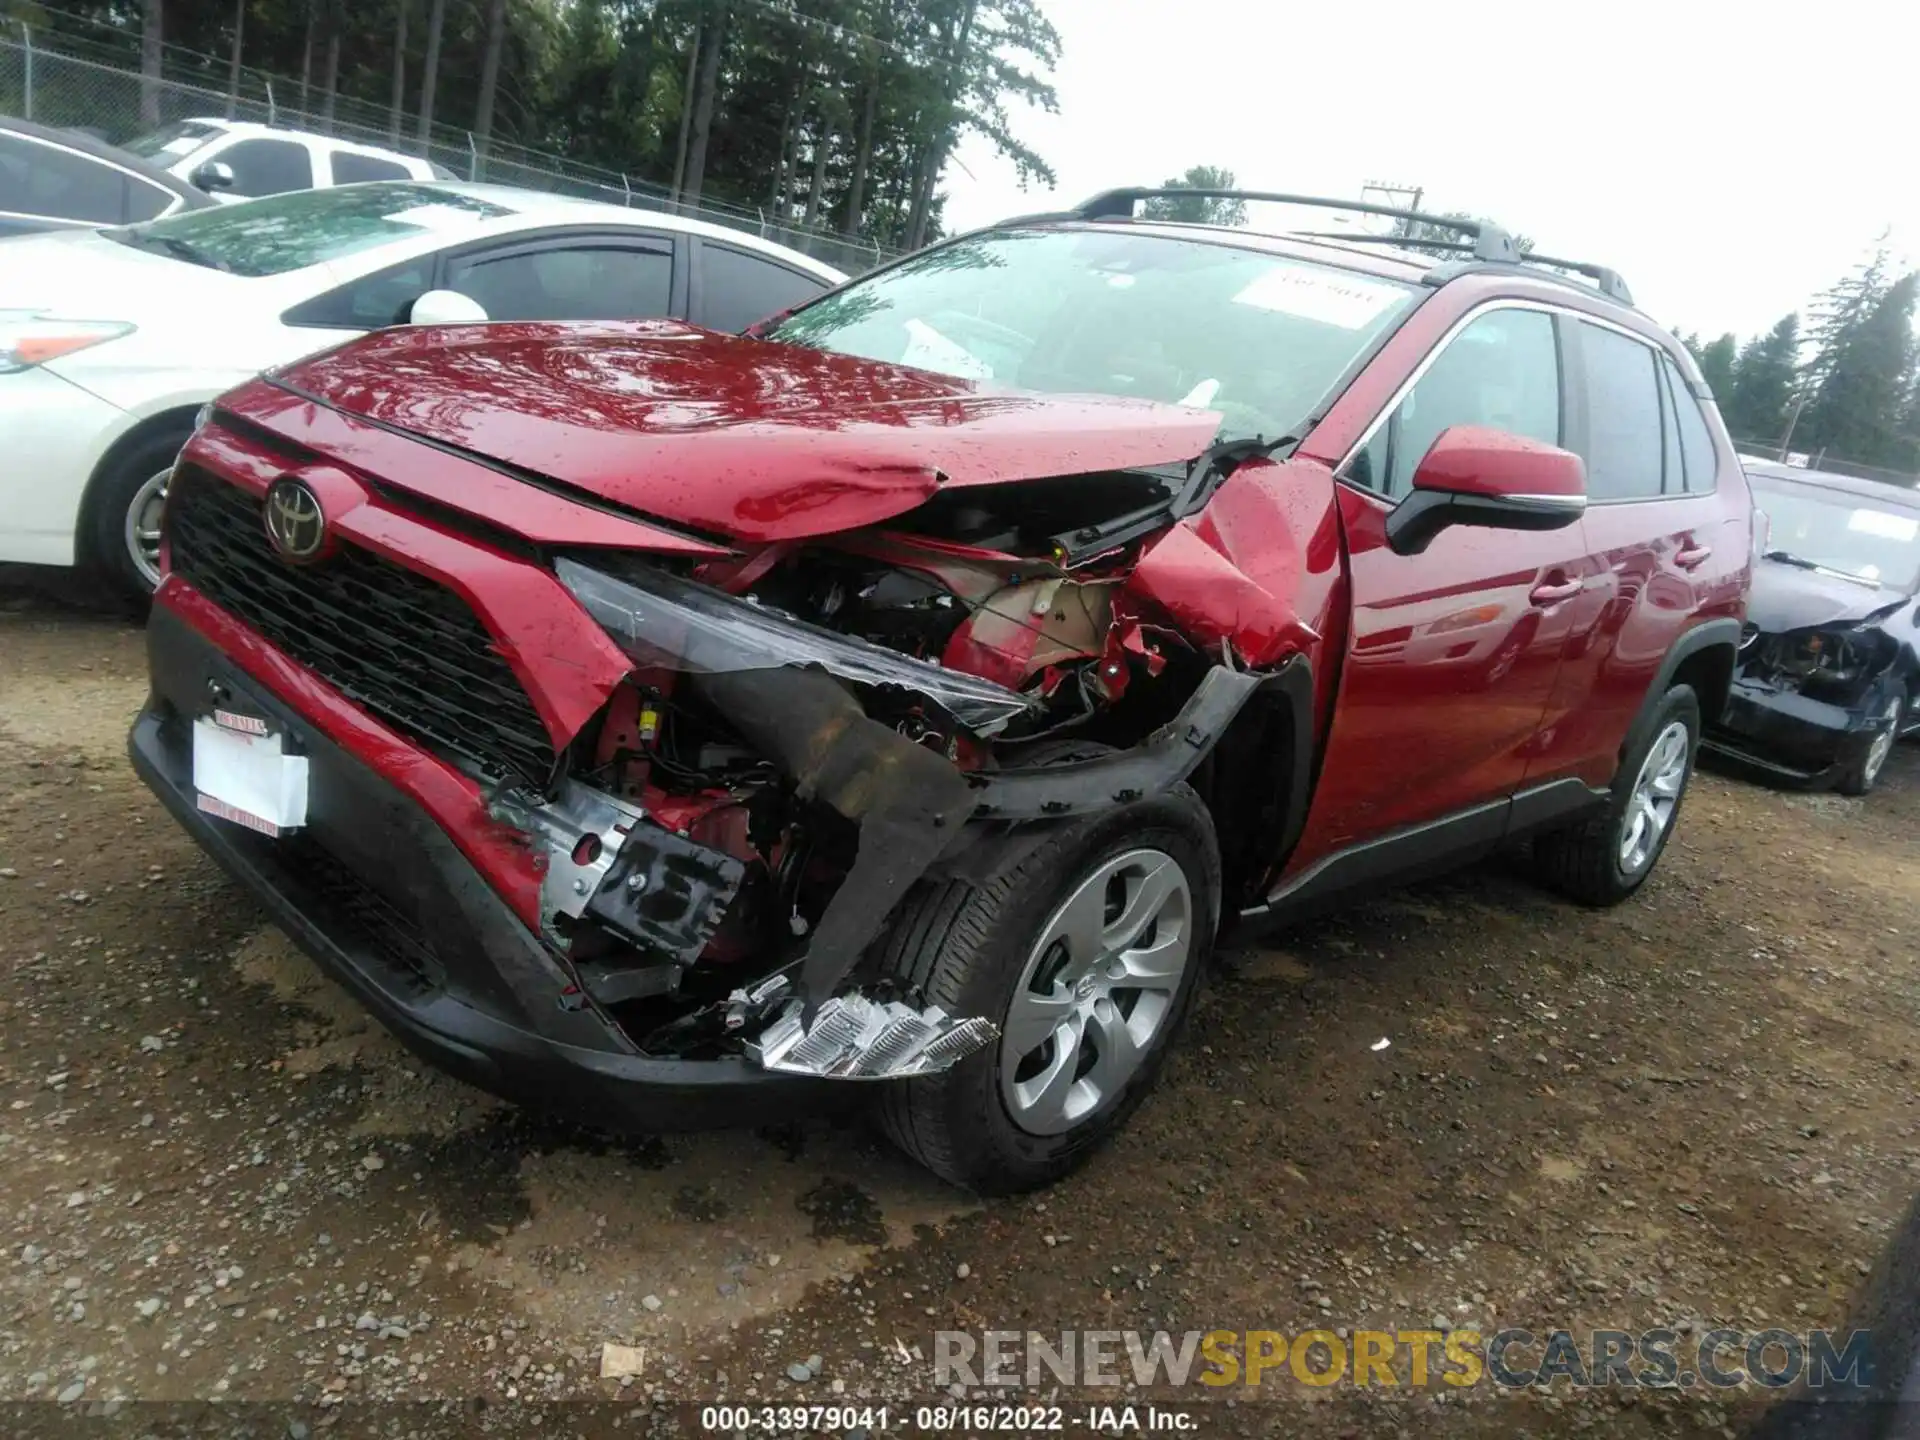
(242, 773)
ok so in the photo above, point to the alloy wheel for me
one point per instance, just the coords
(1099, 985)
(143, 526)
(1883, 739)
(1656, 791)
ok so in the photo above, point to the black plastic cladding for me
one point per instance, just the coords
(407, 649)
(385, 929)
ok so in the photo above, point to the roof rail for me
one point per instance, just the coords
(1489, 241)
(1607, 282)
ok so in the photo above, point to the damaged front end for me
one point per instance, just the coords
(806, 734)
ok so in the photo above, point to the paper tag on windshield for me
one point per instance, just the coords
(1351, 302)
(437, 217)
(1887, 527)
(928, 349)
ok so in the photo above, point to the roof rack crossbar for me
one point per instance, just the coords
(1489, 241)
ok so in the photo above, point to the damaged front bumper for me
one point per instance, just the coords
(1790, 736)
(385, 903)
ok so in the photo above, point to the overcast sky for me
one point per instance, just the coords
(1729, 160)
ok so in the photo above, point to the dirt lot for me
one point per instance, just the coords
(219, 1180)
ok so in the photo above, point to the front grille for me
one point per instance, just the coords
(381, 927)
(406, 649)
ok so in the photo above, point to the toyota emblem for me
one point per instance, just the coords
(295, 522)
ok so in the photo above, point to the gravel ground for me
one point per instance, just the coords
(221, 1181)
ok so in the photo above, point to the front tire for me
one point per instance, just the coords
(1861, 776)
(1087, 952)
(125, 513)
(1603, 860)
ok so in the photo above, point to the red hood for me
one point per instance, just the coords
(746, 438)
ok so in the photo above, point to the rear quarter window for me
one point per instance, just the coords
(1700, 460)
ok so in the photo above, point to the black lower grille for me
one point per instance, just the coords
(405, 648)
(380, 926)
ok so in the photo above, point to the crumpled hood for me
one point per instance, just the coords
(1786, 597)
(750, 439)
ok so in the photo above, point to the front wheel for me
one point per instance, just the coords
(126, 508)
(1604, 859)
(1861, 776)
(1086, 951)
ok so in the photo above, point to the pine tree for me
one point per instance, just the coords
(1837, 312)
(1761, 397)
(1716, 365)
(1855, 411)
(1194, 209)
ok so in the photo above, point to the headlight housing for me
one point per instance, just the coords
(665, 622)
(28, 339)
(1828, 663)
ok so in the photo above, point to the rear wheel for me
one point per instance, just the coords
(1861, 776)
(1086, 951)
(1604, 859)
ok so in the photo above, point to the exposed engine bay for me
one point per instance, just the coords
(809, 729)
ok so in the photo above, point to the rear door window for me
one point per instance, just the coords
(60, 184)
(1625, 447)
(350, 168)
(738, 288)
(589, 279)
(266, 167)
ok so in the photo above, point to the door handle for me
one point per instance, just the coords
(1689, 557)
(1552, 592)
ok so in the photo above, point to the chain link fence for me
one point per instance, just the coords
(67, 90)
(1827, 462)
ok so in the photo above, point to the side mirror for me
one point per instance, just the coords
(1473, 475)
(446, 307)
(214, 175)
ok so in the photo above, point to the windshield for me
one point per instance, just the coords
(307, 227)
(1260, 338)
(179, 138)
(1837, 531)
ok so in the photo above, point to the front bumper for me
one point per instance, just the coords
(1789, 736)
(387, 905)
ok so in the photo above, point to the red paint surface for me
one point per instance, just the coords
(746, 438)
(1473, 460)
(447, 479)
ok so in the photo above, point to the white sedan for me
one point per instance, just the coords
(111, 340)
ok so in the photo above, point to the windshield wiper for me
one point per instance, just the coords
(180, 249)
(1787, 557)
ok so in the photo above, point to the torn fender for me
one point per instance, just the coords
(1258, 569)
(911, 805)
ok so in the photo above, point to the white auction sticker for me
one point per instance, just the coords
(1351, 302)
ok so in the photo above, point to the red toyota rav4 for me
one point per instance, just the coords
(900, 699)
